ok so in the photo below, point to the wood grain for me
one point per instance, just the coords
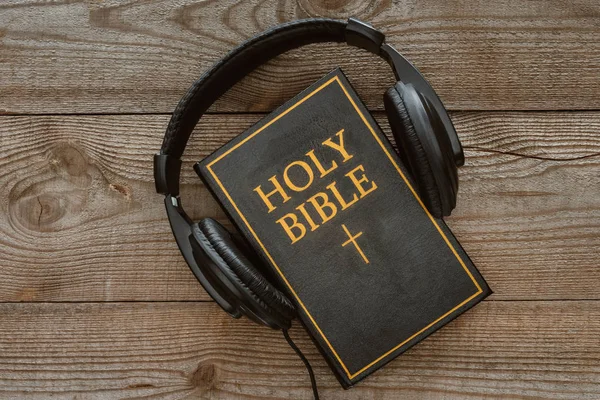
(80, 220)
(498, 350)
(140, 56)
(96, 301)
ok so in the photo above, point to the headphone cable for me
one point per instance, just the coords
(313, 382)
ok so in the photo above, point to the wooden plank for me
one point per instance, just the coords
(498, 350)
(140, 56)
(80, 220)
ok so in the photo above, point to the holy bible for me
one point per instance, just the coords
(320, 194)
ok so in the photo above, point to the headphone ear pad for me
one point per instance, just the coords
(411, 151)
(244, 273)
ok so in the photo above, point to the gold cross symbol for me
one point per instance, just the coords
(354, 242)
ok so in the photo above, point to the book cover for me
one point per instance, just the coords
(320, 194)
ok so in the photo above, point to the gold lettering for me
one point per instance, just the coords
(289, 228)
(339, 197)
(308, 171)
(325, 204)
(278, 189)
(310, 221)
(318, 164)
(339, 146)
(358, 182)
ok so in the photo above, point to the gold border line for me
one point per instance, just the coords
(208, 167)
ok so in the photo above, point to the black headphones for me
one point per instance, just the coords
(427, 145)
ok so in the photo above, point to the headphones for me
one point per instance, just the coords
(427, 145)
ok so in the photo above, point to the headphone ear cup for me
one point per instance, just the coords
(411, 151)
(259, 296)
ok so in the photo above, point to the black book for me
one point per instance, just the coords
(320, 194)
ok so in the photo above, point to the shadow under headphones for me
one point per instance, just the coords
(427, 145)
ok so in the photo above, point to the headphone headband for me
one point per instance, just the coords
(258, 50)
(234, 66)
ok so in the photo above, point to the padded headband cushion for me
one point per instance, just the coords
(411, 151)
(237, 64)
(270, 298)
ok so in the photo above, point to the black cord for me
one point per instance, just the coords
(313, 382)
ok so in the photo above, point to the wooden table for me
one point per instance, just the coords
(96, 301)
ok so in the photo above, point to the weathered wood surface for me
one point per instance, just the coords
(498, 350)
(81, 220)
(95, 299)
(140, 56)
